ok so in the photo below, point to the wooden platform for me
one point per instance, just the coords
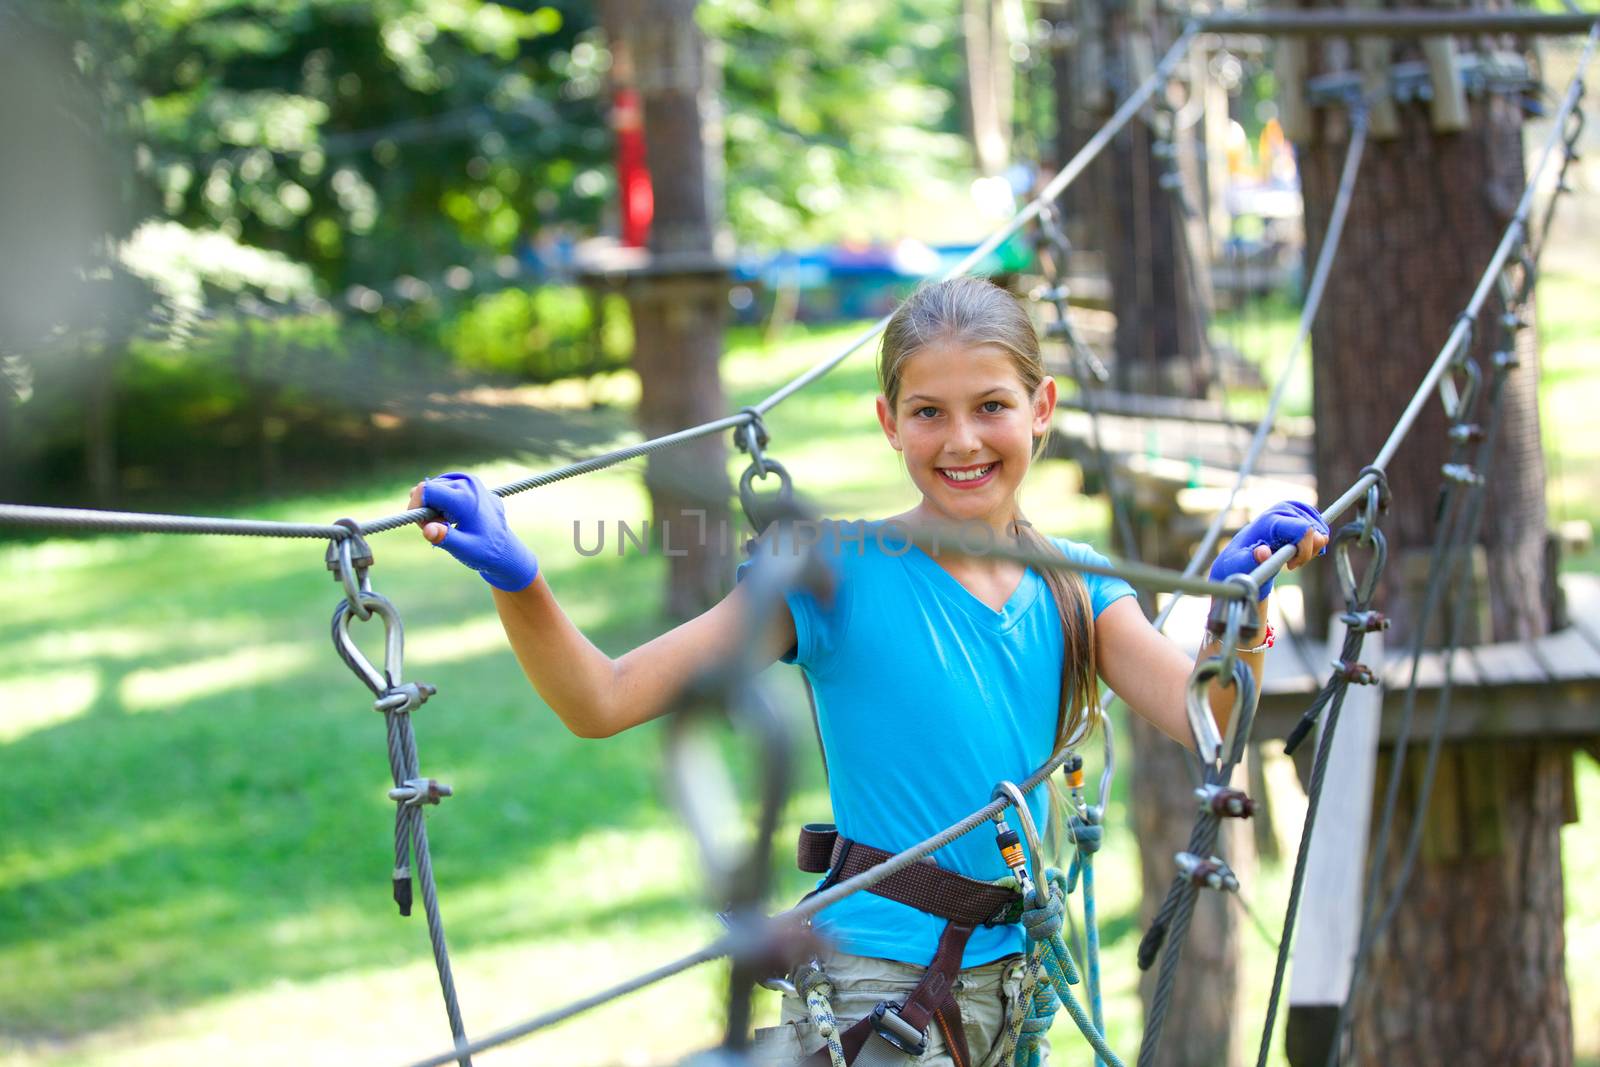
(1548, 687)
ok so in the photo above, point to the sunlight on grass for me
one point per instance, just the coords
(34, 702)
(159, 689)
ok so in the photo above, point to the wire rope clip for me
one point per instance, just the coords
(348, 559)
(1206, 873)
(1461, 474)
(1354, 673)
(752, 438)
(1366, 622)
(1225, 801)
(415, 792)
(1466, 433)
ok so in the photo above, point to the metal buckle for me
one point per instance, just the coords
(887, 1024)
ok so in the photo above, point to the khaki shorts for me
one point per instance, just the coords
(985, 994)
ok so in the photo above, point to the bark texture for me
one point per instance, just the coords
(679, 305)
(1472, 969)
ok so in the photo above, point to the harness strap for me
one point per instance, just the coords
(865, 1043)
(924, 886)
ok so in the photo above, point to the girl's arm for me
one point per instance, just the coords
(593, 694)
(1152, 674)
(597, 696)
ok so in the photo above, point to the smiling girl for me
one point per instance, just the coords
(935, 675)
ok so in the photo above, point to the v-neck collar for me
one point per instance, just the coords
(1016, 605)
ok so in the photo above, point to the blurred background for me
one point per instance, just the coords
(283, 258)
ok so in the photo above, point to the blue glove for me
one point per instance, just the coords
(1284, 523)
(478, 535)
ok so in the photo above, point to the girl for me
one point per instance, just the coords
(934, 675)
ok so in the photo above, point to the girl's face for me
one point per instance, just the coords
(966, 426)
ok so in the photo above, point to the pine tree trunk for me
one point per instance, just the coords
(1472, 970)
(1155, 352)
(679, 308)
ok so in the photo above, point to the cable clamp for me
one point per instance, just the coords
(1225, 801)
(1461, 474)
(348, 558)
(414, 792)
(1206, 873)
(405, 697)
(1365, 621)
(1466, 433)
(1353, 672)
(753, 438)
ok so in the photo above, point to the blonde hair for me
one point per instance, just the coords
(971, 312)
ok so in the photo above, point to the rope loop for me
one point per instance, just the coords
(1219, 753)
(384, 683)
(348, 557)
(1358, 592)
(758, 514)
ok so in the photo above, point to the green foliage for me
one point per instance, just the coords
(834, 108)
(542, 334)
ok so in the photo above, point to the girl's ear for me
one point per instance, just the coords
(1044, 405)
(887, 420)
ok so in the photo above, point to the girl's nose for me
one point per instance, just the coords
(963, 439)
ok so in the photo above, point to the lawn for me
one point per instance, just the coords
(196, 857)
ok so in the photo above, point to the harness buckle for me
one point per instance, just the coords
(887, 1024)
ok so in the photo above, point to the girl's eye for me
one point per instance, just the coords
(922, 412)
(993, 407)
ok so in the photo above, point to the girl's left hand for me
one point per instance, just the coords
(1288, 522)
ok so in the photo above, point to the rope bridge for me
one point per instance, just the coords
(741, 878)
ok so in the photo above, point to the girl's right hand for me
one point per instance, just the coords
(477, 535)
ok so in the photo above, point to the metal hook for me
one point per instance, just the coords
(348, 558)
(393, 642)
(1030, 834)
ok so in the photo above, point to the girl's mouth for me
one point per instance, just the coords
(968, 477)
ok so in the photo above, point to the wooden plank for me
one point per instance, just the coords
(1374, 55)
(1291, 65)
(1568, 655)
(1582, 593)
(1330, 910)
(1449, 104)
(1507, 663)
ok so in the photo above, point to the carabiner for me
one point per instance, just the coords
(1030, 834)
(754, 511)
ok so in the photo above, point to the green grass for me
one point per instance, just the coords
(194, 865)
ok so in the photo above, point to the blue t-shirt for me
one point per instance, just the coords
(926, 697)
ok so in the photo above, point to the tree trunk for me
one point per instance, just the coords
(1156, 352)
(1472, 970)
(679, 305)
(990, 83)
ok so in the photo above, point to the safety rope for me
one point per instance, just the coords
(397, 700)
(1359, 620)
